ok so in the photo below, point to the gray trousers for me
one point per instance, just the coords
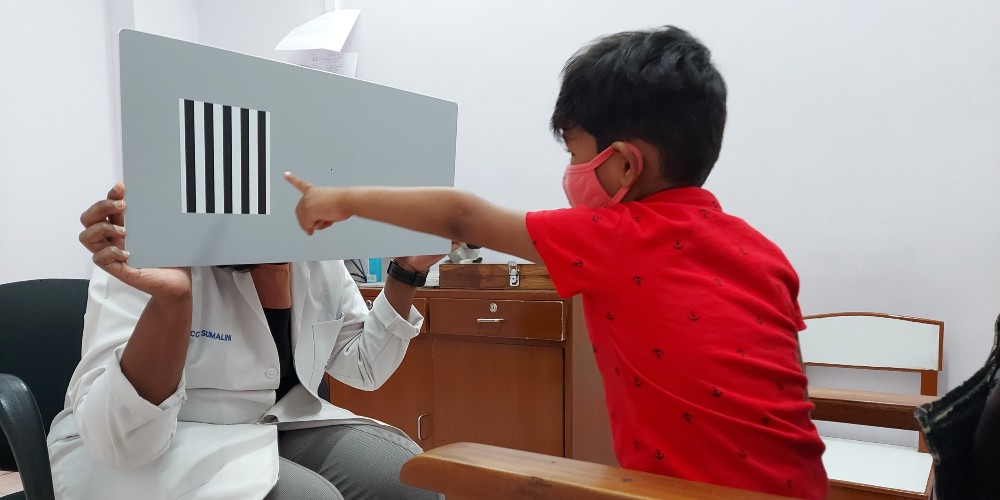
(352, 461)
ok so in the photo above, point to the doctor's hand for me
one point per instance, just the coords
(104, 235)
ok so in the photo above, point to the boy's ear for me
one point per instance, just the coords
(629, 172)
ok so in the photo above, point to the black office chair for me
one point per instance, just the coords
(41, 326)
(962, 430)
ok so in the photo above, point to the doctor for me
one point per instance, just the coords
(202, 382)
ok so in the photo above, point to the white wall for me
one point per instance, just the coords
(862, 136)
(56, 132)
(254, 26)
(174, 18)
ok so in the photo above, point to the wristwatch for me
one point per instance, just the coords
(406, 277)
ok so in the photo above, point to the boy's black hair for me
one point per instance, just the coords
(657, 85)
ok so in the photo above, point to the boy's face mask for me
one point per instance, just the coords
(583, 187)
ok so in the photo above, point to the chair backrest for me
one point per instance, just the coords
(875, 341)
(41, 327)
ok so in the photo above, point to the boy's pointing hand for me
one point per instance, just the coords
(318, 208)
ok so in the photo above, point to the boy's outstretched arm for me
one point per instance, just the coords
(445, 212)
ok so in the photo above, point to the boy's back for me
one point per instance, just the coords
(693, 317)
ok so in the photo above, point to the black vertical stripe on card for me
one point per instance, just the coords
(209, 159)
(245, 159)
(227, 159)
(189, 180)
(262, 179)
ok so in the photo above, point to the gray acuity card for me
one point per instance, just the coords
(207, 134)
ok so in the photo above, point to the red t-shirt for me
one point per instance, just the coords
(693, 316)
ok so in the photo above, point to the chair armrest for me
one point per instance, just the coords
(479, 471)
(880, 409)
(22, 425)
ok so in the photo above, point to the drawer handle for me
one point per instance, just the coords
(420, 432)
(489, 320)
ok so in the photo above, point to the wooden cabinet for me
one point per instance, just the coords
(510, 368)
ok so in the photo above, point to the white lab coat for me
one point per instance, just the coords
(215, 436)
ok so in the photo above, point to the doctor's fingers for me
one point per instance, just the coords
(102, 234)
(104, 210)
(112, 259)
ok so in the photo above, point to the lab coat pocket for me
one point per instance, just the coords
(324, 338)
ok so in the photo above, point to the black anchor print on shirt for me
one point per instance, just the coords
(716, 392)
(578, 263)
(618, 371)
(741, 453)
(693, 316)
(704, 213)
(638, 280)
(780, 384)
(790, 484)
(742, 353)
(717, 282)
(658, 353)
(687, 417)
(760, 321)
(635, 444)
(636, 381)
(596, 218)
(743, 251)
(658, 455)
(637, 218)
(678, 245)
(610, 317)
(765, 421)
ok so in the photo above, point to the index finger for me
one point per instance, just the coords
(299, 184)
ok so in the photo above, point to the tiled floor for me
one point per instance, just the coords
(10, 482)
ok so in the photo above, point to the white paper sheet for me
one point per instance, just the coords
(329, 31)
(341, 63)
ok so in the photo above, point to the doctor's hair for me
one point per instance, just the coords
(240, 268)
(657, 85)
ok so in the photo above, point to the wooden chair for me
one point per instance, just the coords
(860, 469)
(470, 471)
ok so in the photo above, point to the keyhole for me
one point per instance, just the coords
(493, 308)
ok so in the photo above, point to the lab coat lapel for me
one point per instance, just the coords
(244, 283)
(300, 292)
(304, 352)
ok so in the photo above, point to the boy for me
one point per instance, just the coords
(692, 313)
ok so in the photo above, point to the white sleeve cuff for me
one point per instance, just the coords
(122, 391)
(404, 328)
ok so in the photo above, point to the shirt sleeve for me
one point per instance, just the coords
(578, 246)
(369, 345)
(117, 425)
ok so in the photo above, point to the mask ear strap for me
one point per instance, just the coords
(638, 171)
(638, 156)
(597, 161)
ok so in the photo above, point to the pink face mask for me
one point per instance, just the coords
(584, 189)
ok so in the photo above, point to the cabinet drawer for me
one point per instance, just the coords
(498, 318)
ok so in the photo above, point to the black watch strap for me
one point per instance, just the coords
(406, 277)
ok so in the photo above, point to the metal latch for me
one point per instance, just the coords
(515, 275)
